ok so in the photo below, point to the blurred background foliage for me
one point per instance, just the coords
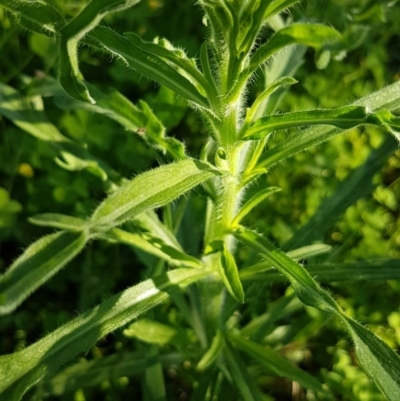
(31, 183)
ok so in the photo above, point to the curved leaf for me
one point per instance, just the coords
(36, 15)
(70, 76)
(147, 63)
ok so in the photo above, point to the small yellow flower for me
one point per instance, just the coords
(25, 170)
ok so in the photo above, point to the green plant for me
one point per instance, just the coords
(232, 159)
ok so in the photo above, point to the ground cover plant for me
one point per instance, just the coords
(220, 298)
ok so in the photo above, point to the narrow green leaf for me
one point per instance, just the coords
(21, 370)
(253, 202)
(206, 66)
(150, 190)
(386, 98)
(100, 370)
(153, 246)
(378, 360)
(268, 91)
(36, 265)
(253, 15)
(358, 184)
(212, 353)
(276, 6)
(70, 76)
(300, 34)
(373, 270)
(275, 362)
(147, 64)
(225, 263)
(243, 381)
(308, 291)
(154, 384)
(345, 118)
(36, 15)
(175, 57)
(60, 221)
(153, 332)
(219, 17)
(296, 254)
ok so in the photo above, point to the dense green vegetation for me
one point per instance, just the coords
(176, 184)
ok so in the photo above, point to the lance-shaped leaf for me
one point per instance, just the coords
(150, 190)
(175, 57)
(36, 15)
(358, 184)
(148, 64)
(21, 370)
(371, 270)
(296, 254)
(60, 221)
(36, 265)
(28, 114)
(253, 202)
(209, 357)
(275, 362)
(387, 98)
(345, 118)
(153, 246)
(70, 76)
(378, 360)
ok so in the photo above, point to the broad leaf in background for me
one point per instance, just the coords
(28, 114)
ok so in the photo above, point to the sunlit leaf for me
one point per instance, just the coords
(150, 190)
(36, 265)
(387, 98)
(21, 370)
